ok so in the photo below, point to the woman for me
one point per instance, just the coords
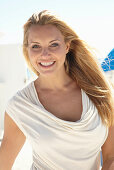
(67, 112)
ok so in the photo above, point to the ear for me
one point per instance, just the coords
(67, 47)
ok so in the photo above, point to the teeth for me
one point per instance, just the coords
(47, 64)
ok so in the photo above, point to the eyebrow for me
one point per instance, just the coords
(55, 40)
(39, 43)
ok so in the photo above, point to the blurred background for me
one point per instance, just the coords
(93, 21)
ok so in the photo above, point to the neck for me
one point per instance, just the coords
(54, 83)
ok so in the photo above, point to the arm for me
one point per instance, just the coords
(108, 151)
(12, 143)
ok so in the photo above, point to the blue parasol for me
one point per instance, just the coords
(108, 63)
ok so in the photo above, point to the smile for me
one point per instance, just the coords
(47, 64)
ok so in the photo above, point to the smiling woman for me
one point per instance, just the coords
(66, 109)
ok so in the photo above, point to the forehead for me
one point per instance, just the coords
(43, 32)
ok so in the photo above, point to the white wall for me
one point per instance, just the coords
(110, 75)
(12, 74)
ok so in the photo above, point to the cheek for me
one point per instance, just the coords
(32, 55)
(60, 51)
(29, 53)
(62, 54)
(61, 57)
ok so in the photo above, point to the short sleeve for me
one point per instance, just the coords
(13, 111)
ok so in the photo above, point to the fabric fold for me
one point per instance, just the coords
(58, 144)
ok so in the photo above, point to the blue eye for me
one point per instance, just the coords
(35, 46)
(54, 45)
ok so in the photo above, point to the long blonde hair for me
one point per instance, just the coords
(80, 65)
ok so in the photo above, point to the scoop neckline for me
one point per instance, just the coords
(49, 114)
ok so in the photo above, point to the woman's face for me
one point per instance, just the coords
(47, 49)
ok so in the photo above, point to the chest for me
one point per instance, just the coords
(64, 106)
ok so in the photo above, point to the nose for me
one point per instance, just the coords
(45, 52)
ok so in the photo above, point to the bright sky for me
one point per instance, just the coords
(93, 20)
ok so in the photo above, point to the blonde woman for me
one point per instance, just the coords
(67, 112)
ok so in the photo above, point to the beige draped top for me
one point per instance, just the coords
(58, 144)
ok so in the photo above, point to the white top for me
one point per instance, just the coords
(58, 144)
